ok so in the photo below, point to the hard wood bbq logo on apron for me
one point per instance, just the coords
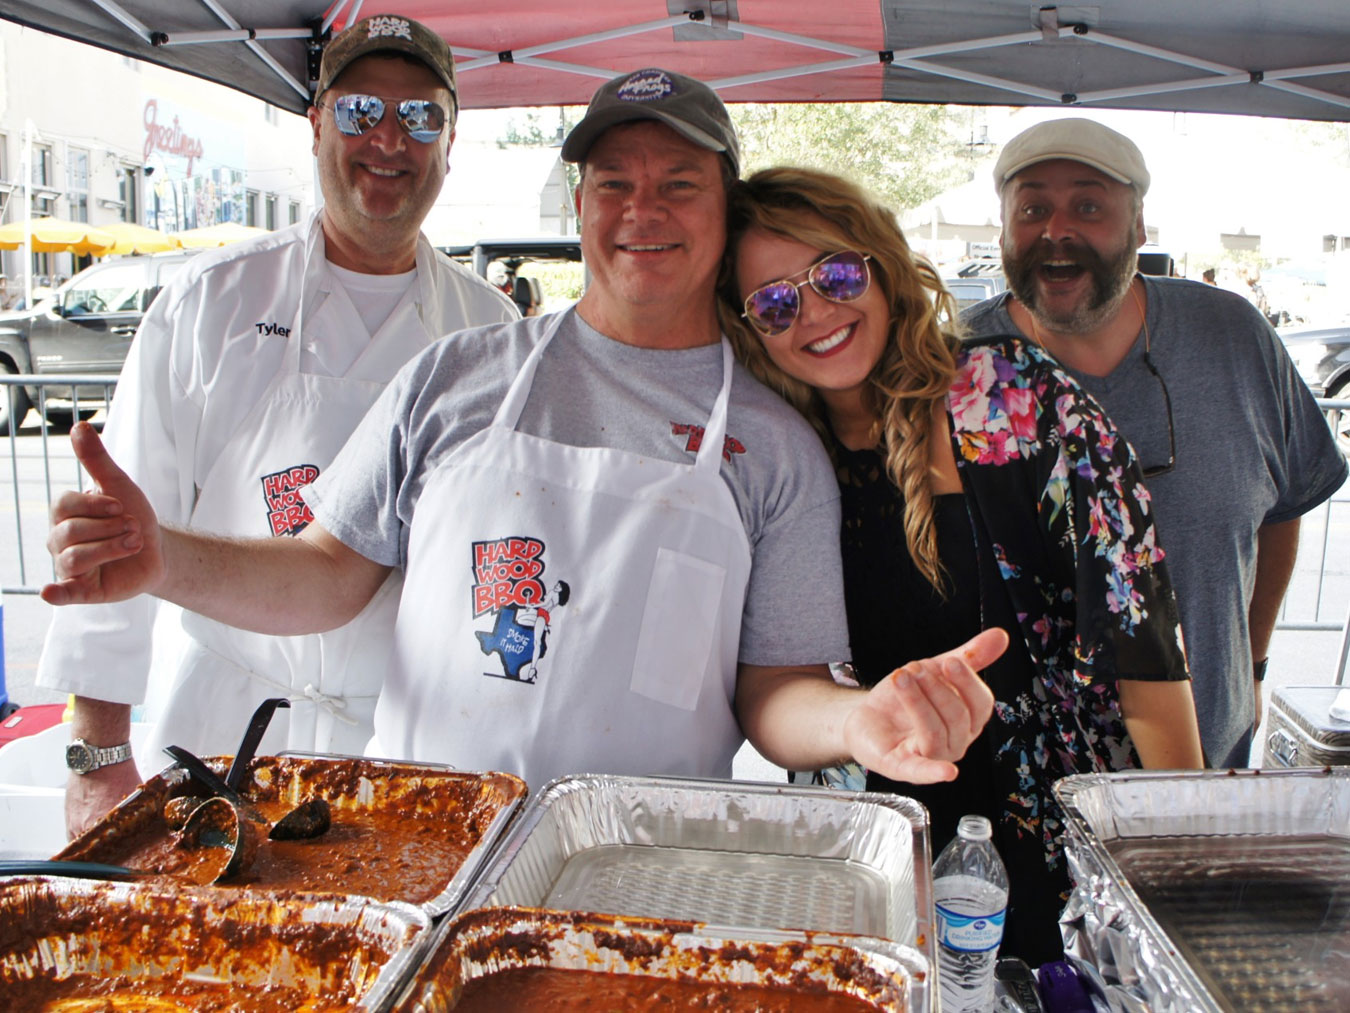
(509, 586)
(287, 513)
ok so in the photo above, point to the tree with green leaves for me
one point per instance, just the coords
(905, 154)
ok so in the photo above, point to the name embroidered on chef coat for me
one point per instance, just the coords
(265, 329)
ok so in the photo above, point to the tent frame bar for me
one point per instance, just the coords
(918, 59)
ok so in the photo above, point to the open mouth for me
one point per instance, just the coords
(1061, 270)
(645, 247)
(831, 341)
(383, 171)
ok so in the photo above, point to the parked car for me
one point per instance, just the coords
(512, 264)
(969, 291)
(540, 248)
(84, 327)
(1322, 356)
(974, 281)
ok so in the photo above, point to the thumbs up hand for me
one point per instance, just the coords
(105, 544)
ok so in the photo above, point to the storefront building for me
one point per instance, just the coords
(91, 136)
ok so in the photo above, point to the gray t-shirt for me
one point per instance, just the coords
(1251, 449)
(593, 391)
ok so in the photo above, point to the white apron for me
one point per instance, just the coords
(581, 612)
(293, 433)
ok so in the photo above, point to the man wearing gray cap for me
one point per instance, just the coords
(1233, 448)
(620, 552)
(249, 372)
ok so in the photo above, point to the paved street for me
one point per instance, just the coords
(1297, 657)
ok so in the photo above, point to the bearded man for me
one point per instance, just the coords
(1232, 445)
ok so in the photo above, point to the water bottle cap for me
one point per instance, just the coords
(974, 828)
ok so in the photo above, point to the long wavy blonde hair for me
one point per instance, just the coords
(915, 370)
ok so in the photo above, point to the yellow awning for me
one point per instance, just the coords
(131, 238)
(217, 235)
(56, 235)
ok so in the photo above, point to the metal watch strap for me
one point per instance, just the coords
(105, 756)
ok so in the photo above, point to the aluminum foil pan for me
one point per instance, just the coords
(1212, 890)
(886, 976)
(143, 948)
(726, 853)
(401, 832)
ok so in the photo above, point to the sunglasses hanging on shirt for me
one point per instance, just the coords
(421, 119)
(839, 277)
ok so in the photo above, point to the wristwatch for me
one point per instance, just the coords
(82, 758)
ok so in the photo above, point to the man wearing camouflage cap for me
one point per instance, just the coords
(1233, 448)
(249, 372)
(621, 553)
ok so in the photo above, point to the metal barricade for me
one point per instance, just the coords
(1315, 601)
(30, 516)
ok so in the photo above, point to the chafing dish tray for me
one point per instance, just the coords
(626, 959)
(1212, 890)
(401, 832)
(81, 947)
(726, 853)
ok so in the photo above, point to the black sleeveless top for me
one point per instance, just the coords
(895, 615)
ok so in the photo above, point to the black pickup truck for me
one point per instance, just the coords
(84, 327)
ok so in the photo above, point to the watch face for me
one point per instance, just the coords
(79, 757)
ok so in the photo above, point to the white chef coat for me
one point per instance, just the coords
(634, 568)
(208, 352)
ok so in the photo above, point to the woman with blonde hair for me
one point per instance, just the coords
(981, 486)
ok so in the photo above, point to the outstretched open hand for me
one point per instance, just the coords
(914, 724)
(105, 544)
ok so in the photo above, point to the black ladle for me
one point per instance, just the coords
(59, 867)
(225, 828)
(248, 745)
(308, 819)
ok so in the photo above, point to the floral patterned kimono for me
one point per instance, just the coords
(1053, 540)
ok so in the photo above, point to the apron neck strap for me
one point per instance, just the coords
(508, 415)
(715, 432)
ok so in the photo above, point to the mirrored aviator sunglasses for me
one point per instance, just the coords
(839, 277)
(421, 119)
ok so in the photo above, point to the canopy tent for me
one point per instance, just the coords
(1286, 58)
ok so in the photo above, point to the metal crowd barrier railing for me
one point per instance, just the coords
(78, 408)
(1334, 543)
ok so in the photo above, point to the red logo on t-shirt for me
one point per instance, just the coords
(287, 513)
(694, 439)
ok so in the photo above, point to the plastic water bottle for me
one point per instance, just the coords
(970, 889)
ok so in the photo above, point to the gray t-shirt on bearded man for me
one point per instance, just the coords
(1251, 449)
(590, 390)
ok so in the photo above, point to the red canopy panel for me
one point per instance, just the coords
(1288, 58)
(700, 49)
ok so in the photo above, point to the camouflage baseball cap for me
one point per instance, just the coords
(387, 33)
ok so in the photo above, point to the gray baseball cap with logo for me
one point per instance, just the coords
(686, 105)
(382, 33)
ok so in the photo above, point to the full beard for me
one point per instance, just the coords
(1111, 277)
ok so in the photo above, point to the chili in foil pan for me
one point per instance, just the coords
(398, 832)
(514, 958)
(728, 853)
(1211, 890)
(81, 947)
